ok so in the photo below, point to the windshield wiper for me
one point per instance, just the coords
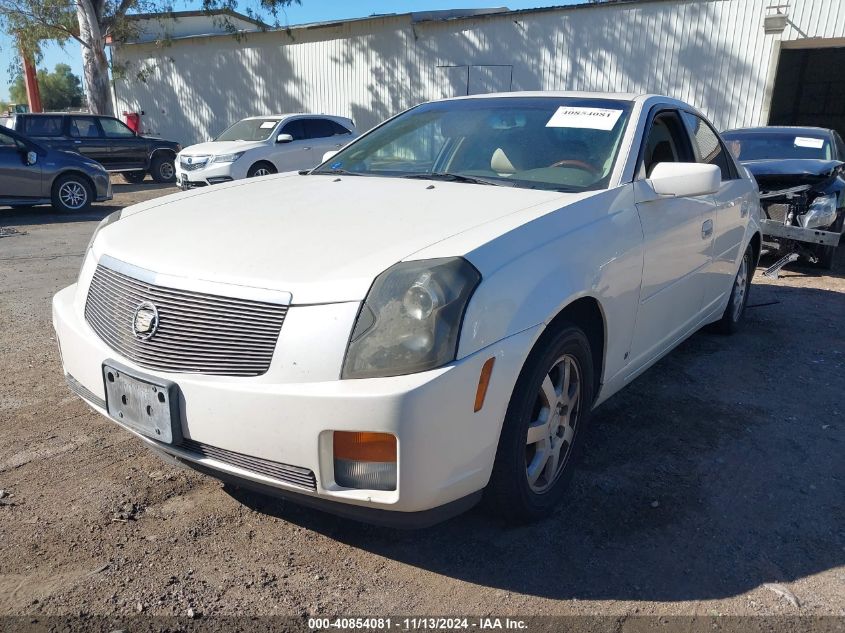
(450, 177)
(330, 172)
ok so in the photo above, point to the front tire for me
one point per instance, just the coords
(543, 428)
(262, 168)
(735, 310)
(163, 168)
(71, 194)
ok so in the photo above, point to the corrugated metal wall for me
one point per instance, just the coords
(711, 53)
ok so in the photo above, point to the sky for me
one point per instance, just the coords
(308, 11)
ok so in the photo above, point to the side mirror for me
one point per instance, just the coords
(31, 158)
(681, 180)
(284, 138)
(328, 155)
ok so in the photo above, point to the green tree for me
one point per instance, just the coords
(59, 89)
(93, 23)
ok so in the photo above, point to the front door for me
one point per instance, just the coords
(127, 150)
(676, 244)
(18, 181)
(298, 153)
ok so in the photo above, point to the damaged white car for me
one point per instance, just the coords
(426, 318)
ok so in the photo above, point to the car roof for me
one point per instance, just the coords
(781, 129)
(290, 114)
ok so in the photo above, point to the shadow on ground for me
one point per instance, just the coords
(711, 474)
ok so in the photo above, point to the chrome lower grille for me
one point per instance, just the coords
(197, 162)
(777, 211)
(294, 475)
(196, 333)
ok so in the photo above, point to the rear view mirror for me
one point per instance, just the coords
(328, 155)
(284, 138)
(31, 158)
(685, 179)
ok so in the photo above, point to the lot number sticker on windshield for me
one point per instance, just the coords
(266, 125)
(588, 118)
(807, 141)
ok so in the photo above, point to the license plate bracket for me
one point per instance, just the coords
(145, 404)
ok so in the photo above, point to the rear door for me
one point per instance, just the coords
(46, 129)
(728, 216)
(18, 181)
(87, 139)
(325, 135)
(127, 151)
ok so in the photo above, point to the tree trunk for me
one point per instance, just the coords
(95, 66)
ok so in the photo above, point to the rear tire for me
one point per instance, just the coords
(543, 427)
(71, 194)
(163, 168)
(735, 310)
(134, 177)
(262, 168)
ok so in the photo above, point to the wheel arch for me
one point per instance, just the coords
(756, 243)
(259, 161)
(160, 150)
(70, 171)
(587, 314)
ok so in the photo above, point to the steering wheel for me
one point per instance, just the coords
(577, 164)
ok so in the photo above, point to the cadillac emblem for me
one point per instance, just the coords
(145, 321)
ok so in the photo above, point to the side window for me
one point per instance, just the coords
(7, 141)
(42, 126)
(318, 128)
(294, 128)
(338, 128)
(84, 127)
(840, 147)
(115, 129)
(665, 143)
(708, 146)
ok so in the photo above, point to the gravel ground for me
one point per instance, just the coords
(712, 485)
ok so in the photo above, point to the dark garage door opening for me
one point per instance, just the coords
(810, 89)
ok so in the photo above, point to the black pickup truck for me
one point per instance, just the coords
(104, 139)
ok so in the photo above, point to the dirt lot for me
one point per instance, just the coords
(713, 485)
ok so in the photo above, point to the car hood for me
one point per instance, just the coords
(801, 171)
(213, 148)
(322, 238)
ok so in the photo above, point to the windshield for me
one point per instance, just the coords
(250, 130)
(763, 145)
(566, 144)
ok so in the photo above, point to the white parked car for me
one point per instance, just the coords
(432, 313)
(259, 146)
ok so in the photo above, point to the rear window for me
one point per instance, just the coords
(42, 125)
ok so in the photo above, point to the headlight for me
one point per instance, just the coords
(822, 212)
(411, 318)
(227, 158)
(111, 217)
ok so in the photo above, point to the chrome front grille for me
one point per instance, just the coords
(197, 162)
(294, 475)
(196, 332)
(778, 211)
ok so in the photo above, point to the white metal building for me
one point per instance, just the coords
(743, 62)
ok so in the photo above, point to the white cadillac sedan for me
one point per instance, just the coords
(429, 316)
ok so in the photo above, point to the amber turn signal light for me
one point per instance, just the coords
(483, 382)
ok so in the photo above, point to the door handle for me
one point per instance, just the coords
(78, 142)
(306, 148)
(706, 229)
(339, 145)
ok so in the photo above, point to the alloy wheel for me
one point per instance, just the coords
(551, 432)
(73, 195)
(740, 287)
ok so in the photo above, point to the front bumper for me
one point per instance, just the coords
(773, 228)
(209, 174)
(286, 417)
(102, 187)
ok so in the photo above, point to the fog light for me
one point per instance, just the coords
(216, 180)
(365, 460)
